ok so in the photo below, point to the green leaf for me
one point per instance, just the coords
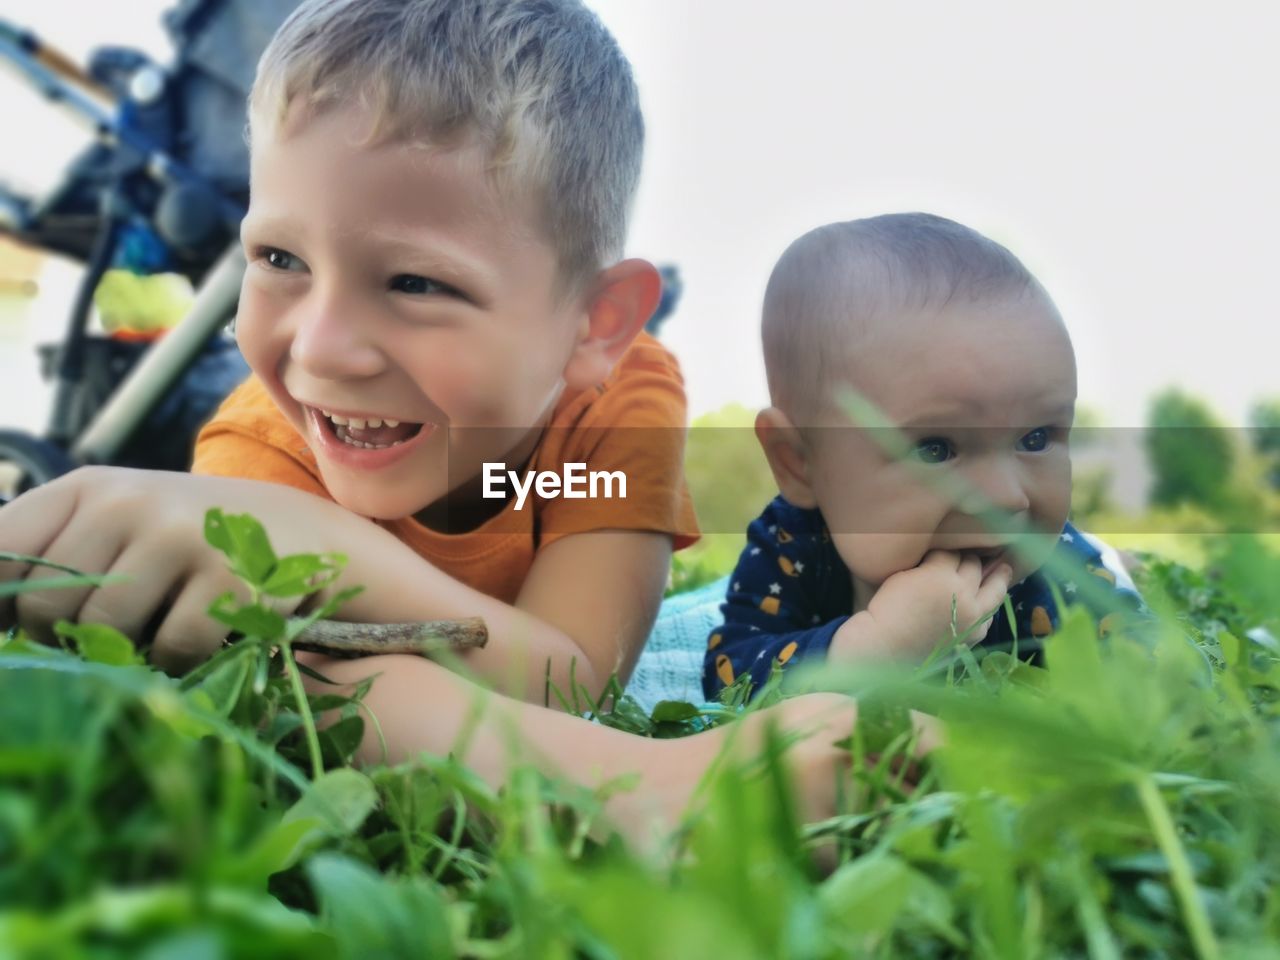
(674, 711)
(342, 738)
(341, 800)
(244, 542)
(867, 895)
(250, 619)
(333, 807)
(225, 683)
(1231, 647)
(303, 573)
(374, 918)
(99, 643)
(279, 848)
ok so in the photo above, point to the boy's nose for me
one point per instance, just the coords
(331, 343)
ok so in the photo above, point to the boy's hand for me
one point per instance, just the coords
(149, 527)
(911, 611)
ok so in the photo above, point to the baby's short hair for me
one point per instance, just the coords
(833, 281)
(542, 84)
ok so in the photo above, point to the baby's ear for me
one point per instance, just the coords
(620, 302)
(788, 457)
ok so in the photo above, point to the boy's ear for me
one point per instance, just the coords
(622, 299)
(788, 457)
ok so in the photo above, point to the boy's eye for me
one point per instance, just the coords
(1035, 441)
(411, 283)
(278, 259)
(933, 450)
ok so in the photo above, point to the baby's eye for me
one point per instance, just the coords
(933, 450)
(416, 285)
(278, 259)
(1036, 441)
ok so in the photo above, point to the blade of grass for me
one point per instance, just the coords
(1166, 835)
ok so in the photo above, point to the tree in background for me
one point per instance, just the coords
(1190, 452)
(1264, 421)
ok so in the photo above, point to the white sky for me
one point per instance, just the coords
(1127, 152)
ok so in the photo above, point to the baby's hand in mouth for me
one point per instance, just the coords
(912, 611)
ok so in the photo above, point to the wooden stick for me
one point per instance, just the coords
(365, 639)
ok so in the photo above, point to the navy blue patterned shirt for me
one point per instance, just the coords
(790, 592)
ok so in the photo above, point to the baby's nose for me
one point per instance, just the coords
(995, 483)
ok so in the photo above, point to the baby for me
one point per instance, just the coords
(923, 389)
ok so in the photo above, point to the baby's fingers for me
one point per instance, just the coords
(995, 587)
(970, 567)
(943, 559)
(929, 732)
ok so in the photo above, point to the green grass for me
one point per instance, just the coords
(1123, 801)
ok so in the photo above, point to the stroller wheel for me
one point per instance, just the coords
(27, 461)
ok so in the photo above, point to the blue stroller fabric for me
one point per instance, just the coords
(670, 666)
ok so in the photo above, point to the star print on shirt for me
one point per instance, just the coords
(775, 588)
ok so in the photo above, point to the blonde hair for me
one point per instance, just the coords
(541, 84)
(834, 281)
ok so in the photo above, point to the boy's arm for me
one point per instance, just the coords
(585, 605)
(148, 527)
(602, 590)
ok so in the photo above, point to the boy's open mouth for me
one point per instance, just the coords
(371, 434)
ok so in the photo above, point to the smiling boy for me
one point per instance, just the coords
(960, 498)
(439, 198)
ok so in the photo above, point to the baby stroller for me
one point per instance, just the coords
(163, 189)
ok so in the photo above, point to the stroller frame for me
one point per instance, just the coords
(72, 438)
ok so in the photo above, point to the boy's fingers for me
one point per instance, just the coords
(135, 601)
(38, 610)
(188, 635)
(29, 525)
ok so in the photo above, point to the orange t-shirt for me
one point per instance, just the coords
(634, 422)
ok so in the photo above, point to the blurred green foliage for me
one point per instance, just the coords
(1264, 424)
(1190, 451)
(730, 482)
(1122, 801)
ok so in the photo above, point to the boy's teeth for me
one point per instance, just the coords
(357, 423)
(346, 438)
